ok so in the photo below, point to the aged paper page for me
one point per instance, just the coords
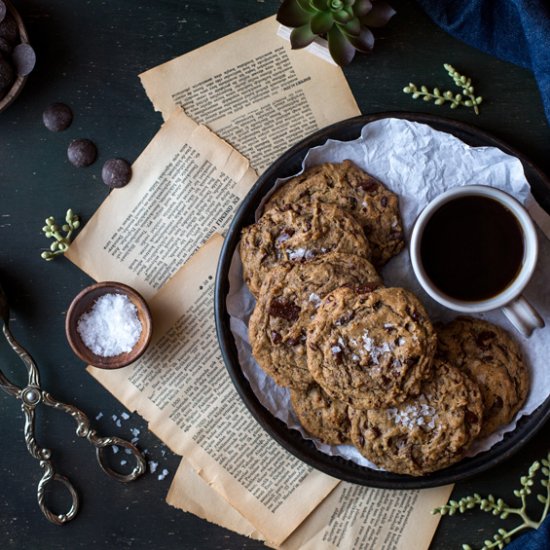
(192, 494)
(371, 519)
(181, 387)
(350, 517)
(253, 91)
(185, 186)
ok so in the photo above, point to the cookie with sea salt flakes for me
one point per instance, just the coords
(344, 184)
(493, 359)
(287, 302)
(424, 433)
(371, 349)
(321, 416)
(297, 233)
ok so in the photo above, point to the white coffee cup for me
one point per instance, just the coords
(516, 308)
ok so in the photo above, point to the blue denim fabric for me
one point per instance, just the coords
(533, 540)
(513, 30)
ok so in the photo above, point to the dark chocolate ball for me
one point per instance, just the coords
(81, 152)
(57, 117)
(116, 173)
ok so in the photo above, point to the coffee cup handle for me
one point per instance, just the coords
(523, 316)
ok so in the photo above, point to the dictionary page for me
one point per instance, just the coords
(185, 186)
(182, 389)
(253, 91)
(352, 516)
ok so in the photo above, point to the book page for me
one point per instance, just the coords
(261, 99)
(181, 387)
(185, 186)
(352, 516)
(193, 495)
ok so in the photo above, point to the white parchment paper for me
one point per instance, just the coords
(418, 163)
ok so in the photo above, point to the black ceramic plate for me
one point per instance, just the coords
(288, 164)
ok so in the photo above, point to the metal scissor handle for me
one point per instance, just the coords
(31, 396)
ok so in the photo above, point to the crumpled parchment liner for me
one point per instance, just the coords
(418, 163)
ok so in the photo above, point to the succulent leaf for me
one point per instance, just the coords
(353, 27)
(322, 22)
(379, 15)
(362, 7)
(342, 16)
(321, 5)
(340, 48)
(292, 14)
(302, 36)
(364, 42)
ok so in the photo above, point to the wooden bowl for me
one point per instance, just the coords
(84, 301)
(19, 82)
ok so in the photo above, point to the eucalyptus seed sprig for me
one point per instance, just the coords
(498, 507)
(466, 84)
(455, 99)
(61, 242)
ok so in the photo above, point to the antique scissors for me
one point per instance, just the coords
(31, 396)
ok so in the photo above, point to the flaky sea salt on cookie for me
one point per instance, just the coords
(424, 433)
(371, 349)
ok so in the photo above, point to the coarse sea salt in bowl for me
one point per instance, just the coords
(108, 325)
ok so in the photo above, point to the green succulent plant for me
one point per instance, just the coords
(344, 23)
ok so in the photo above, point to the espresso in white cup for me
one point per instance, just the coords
(474, 248)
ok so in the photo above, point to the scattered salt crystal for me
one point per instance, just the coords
(123, 462)
(163, 452)
(135, 432)
(336, 349)
(314, 299)
(153, 466)
(115, 449)
(162, 475)
(134, 440)
(118, 423)
(114, 417)
(125, 415)
(99, 416)
(128, 451)
(111, 327)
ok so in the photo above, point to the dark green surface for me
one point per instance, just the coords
(89, 56)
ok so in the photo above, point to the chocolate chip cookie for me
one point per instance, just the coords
(297, 233)
(493, 359)
(374, 206)
(288, 300)
(424, 433)
(370, 349)
(321, 416)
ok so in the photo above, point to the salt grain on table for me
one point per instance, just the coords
(111, 327)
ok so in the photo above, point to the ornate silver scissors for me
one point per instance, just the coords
(31, 395)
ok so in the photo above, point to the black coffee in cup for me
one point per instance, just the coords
(472, 248)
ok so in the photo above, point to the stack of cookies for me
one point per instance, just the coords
(363, 362)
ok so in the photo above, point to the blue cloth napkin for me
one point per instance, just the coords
(513, 30)
(539, 539)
